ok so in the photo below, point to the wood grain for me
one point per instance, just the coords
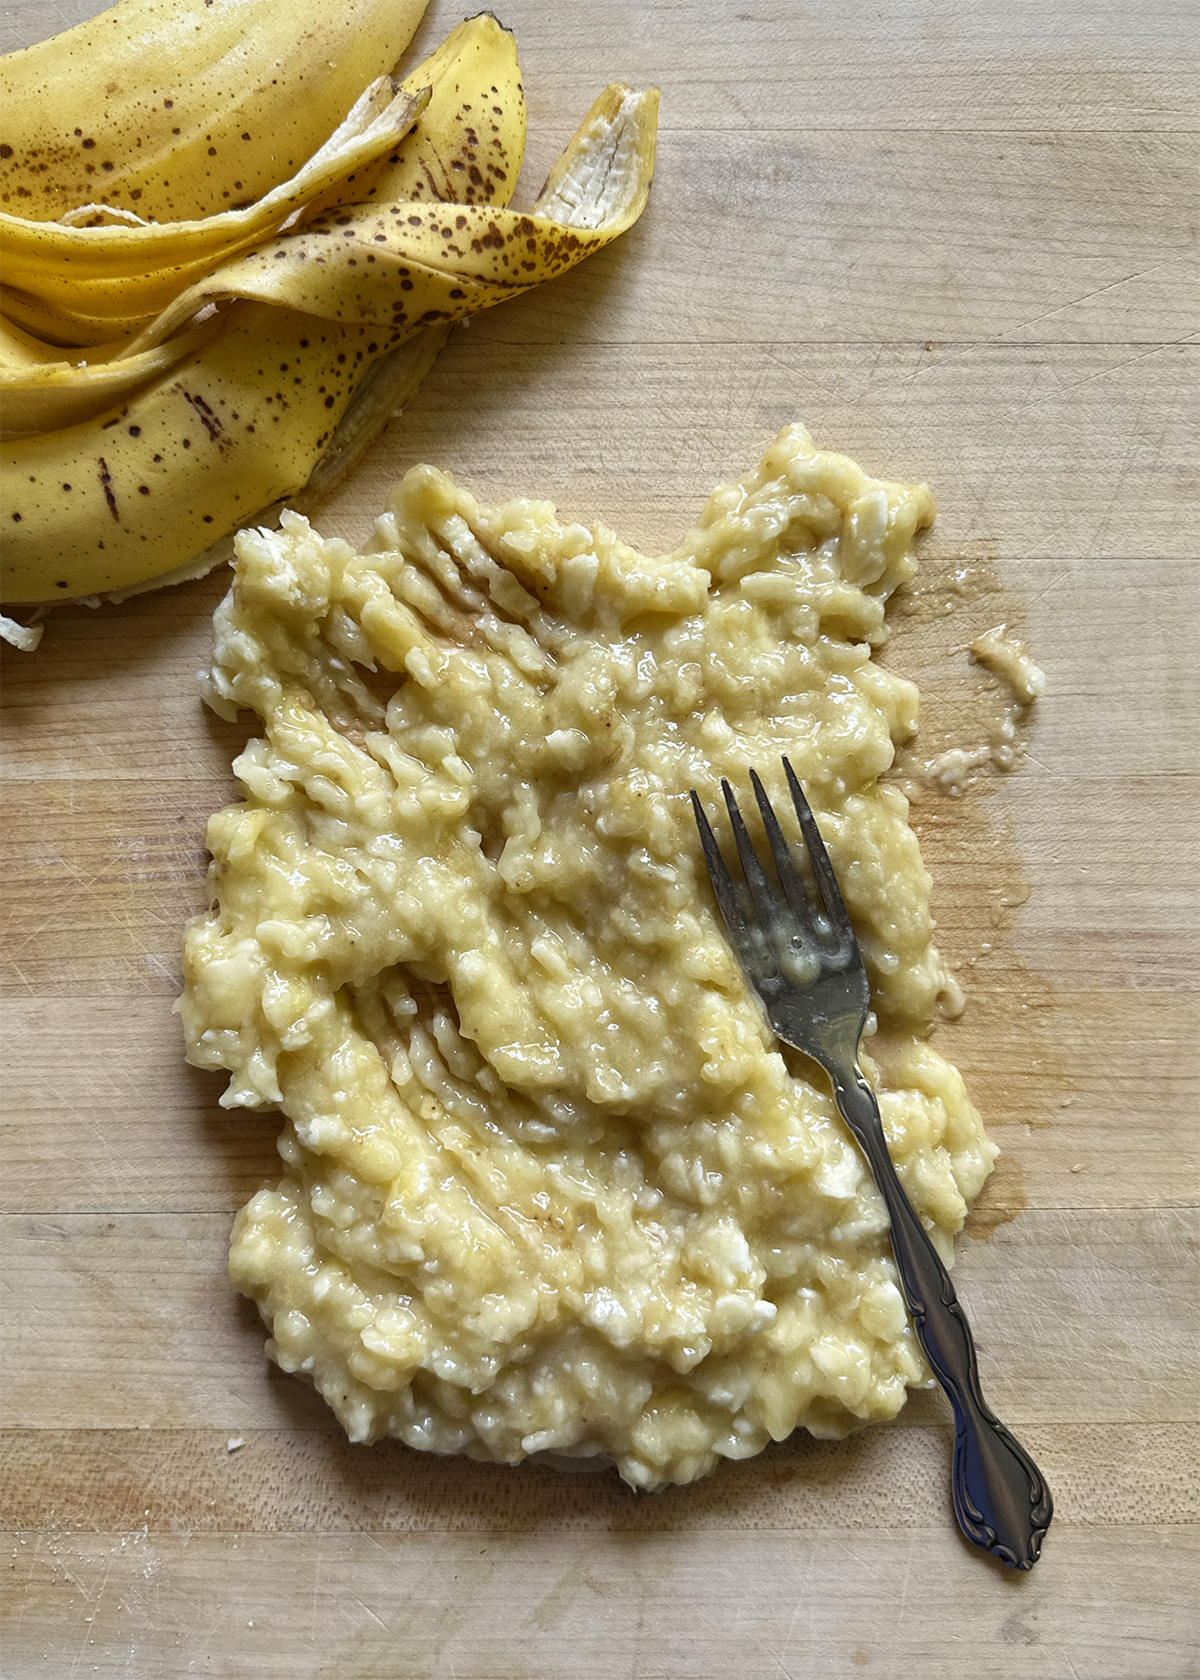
(959, 242)
(679, 1606)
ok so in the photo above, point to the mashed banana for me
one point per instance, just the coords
(549, 1184)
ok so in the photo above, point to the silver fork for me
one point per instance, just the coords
(806, 966)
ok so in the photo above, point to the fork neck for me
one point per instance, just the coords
(859, 1108)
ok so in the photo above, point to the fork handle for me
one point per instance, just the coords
(1001, 1498)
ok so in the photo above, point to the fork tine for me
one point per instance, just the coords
(765, 901)
(722, 885)
(822, 868)
(790, 881)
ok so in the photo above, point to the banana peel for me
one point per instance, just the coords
(281, 365)
(86, 285)
(468, 148)
(418, 264)
(241, 422)
(52, 395)
(177, 109)
(474, 73)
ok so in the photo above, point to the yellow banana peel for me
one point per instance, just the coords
(476, 68)
(408, 265)
(177, 109)
(242, 421)
(468, 146)
(89, 284)
(50, 395)
(276, 369)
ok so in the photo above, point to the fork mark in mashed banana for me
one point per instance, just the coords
(548, 1183)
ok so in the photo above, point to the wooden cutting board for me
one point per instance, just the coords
(957, 241)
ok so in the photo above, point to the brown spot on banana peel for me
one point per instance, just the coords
(106, 486)
(205, 416)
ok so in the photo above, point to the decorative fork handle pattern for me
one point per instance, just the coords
(1001, 1499)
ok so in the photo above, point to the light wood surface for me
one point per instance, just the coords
(958, 240)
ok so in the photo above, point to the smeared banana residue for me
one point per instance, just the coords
(975, 726)
(1002, 749)
(1014, 1017)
